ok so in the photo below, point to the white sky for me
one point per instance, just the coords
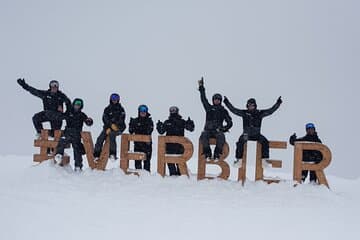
(154, 52)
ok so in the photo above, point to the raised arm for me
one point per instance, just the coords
(30, 89)
(271, 110)
(232, 109)
(203, 98)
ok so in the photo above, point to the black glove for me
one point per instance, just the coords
(189, 124)
(292, 138)
(89, 121)
(21, 82)
(279, 100)
(160, 127)
(201, 82)
(226, 100)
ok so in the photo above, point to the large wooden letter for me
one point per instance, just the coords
(164, 158)
(44, 143)
(89, 149)
(259, 172)
(299, 165)
(202, 162)
(125, 155)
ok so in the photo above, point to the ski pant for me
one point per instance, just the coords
(101, 139)
(220, 140)
(244, 138)
(147, 149)
(174, 148)
(54, 117)
(78, 147)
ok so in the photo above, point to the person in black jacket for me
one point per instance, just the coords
(114, 124)
(75, 119)
(313, 156)
(142, 125)
(175, 125)
(252, 118)
(216, 114)
(53, 102)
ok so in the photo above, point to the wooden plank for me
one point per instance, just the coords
(242, 169)
(278, 144)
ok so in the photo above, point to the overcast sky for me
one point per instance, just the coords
(154, 52)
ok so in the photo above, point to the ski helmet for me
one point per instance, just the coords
(174, 110)
(309, 125)
(217, 96)
(115, 97)
(143, 108)
(53, 83)
(251, 101)
(78, 102)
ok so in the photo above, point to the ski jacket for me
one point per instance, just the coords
(141, 125)
(215, 115)
(175, 126)
(51, 101)
(74, 121)
(114, 114)
(252, 119)
(308, 155)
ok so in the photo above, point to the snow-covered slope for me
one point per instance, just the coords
(48, 202)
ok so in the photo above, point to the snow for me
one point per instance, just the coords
(45, 201)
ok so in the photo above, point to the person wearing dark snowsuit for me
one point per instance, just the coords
(114, 124)
(175, 125)
(252, 119)
(216, 114)
(53, 103)
(313, 156)
(75, 119)
(142, 125)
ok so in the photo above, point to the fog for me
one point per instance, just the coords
(153, 52)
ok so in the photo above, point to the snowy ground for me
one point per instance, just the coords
(49, 202)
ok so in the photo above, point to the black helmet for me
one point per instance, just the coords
(53, 83)
(217, 96)
(78, 102)
(174, 110)
(251, 101)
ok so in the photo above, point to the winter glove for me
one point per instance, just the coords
(226, 100)
(160, 127)
(114, 127)
(292, 139)
(89, 122)
(189, 124)
(21, 82)
(201, 82)
(279, 100)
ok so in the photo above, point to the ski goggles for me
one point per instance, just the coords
(310, 125)
(78, 103)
